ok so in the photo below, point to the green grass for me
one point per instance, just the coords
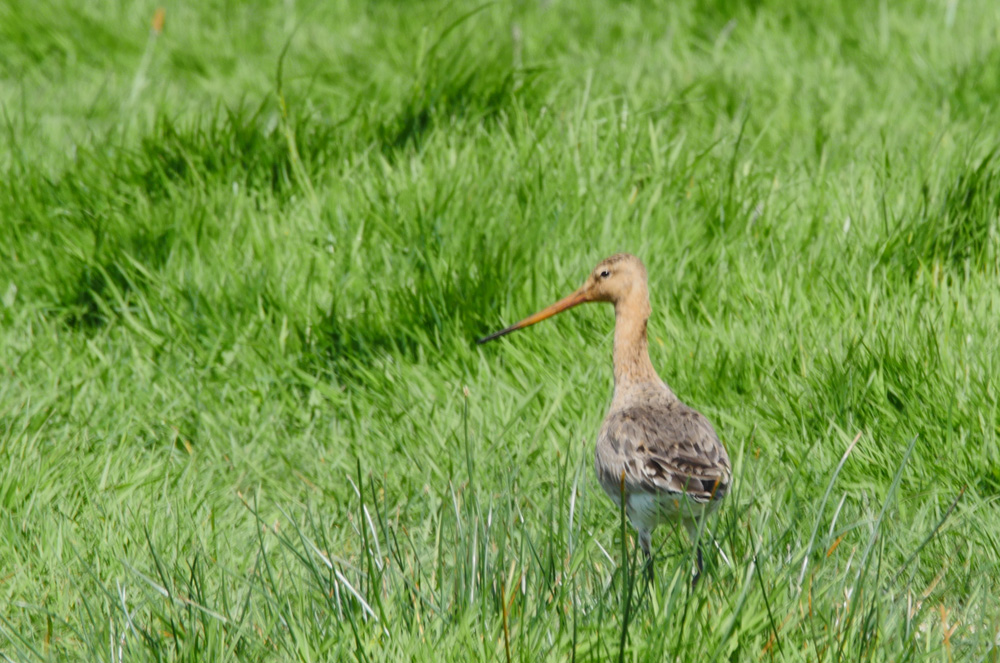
(241, 411)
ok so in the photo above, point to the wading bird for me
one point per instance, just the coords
(662, 455)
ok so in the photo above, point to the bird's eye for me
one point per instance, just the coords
(605, 274)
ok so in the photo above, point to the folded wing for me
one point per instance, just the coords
(663, 448)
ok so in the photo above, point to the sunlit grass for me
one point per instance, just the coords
(242, 415)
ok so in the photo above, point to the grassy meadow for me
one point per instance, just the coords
(245, 250)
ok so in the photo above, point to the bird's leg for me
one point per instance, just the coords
(646, 541)
(692, 528)
(701, 567)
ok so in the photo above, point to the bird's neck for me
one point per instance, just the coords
(631, 352)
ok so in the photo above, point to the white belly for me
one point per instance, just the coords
(647, 510)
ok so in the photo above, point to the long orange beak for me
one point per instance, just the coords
(578, 297)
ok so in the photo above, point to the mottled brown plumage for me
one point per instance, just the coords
(667, 454)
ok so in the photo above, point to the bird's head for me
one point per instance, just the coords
(619, 279)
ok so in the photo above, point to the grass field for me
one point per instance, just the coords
(243, 260)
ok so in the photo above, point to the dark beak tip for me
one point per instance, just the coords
(494, 336)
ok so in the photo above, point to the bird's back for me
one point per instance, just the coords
(671, 458)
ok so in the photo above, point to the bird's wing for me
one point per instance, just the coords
(665, 448)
